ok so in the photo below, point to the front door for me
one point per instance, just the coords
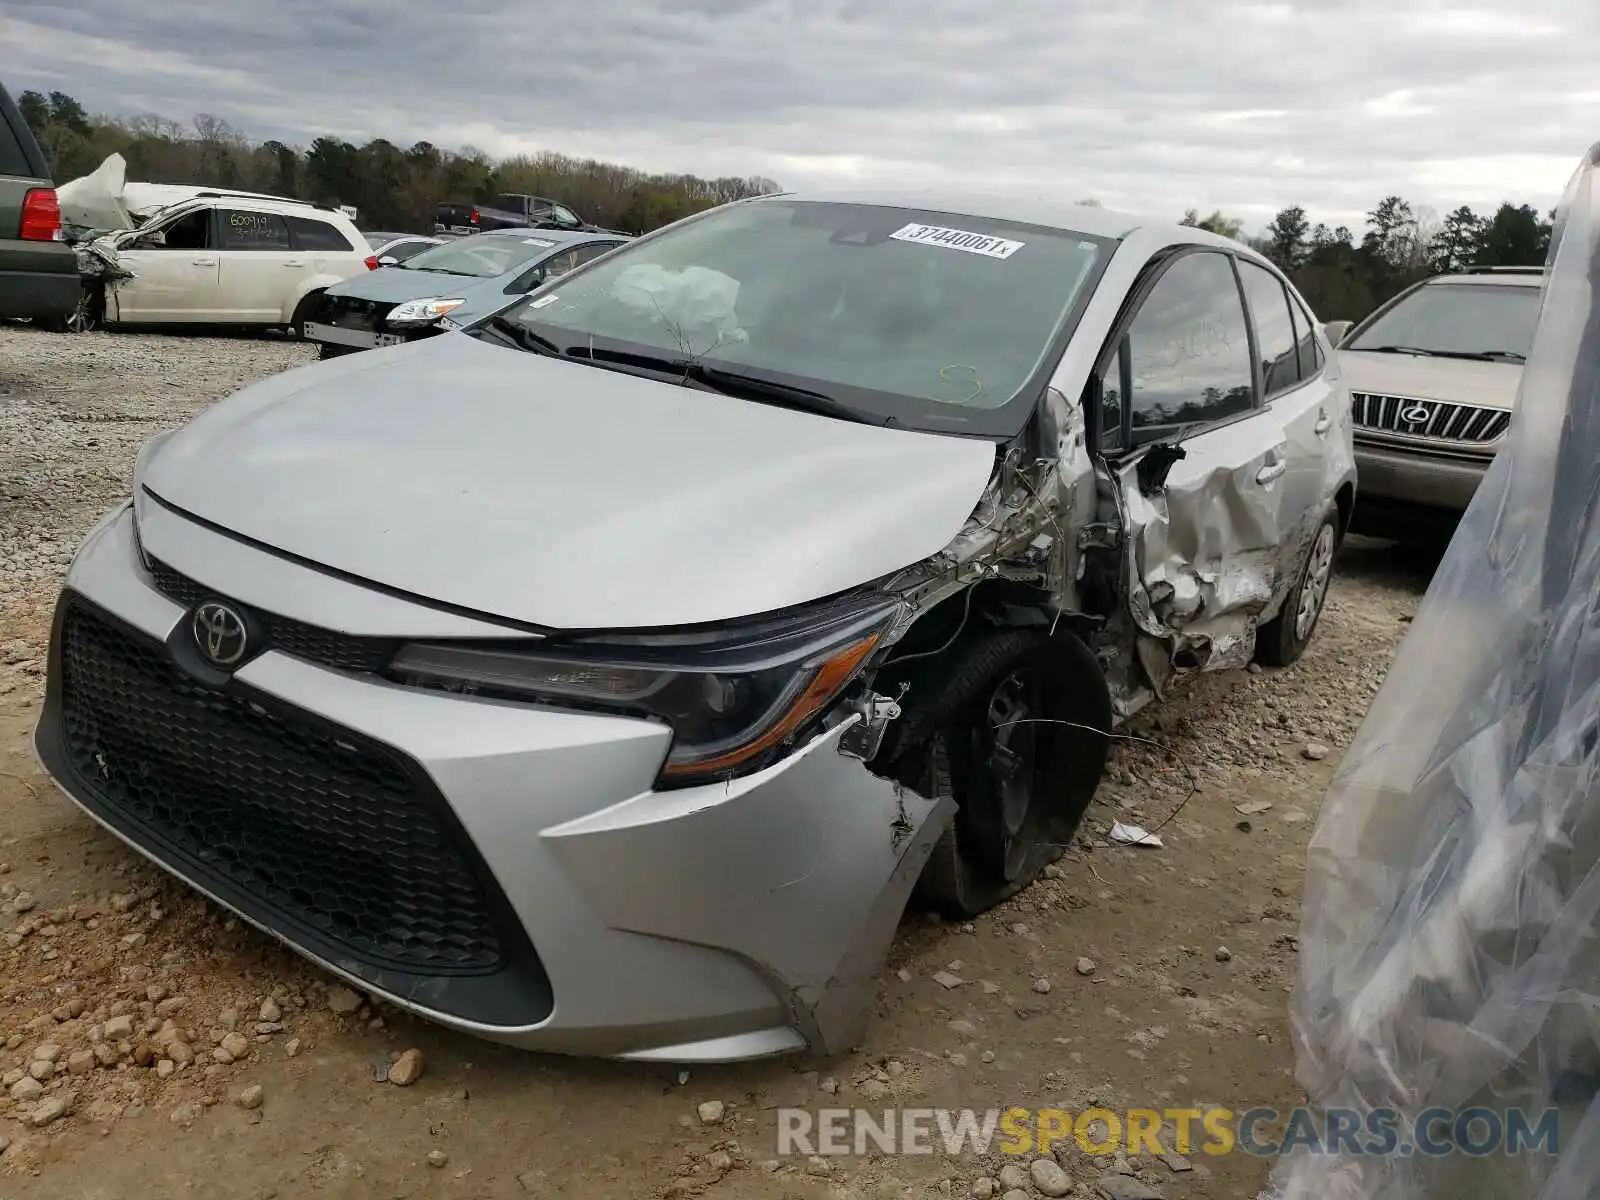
(175, 273)
(1200, 465)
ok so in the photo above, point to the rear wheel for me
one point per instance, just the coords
(1014, 732)
(1282, 640)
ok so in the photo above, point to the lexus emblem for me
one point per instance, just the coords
(220, 633)
(1416, 414)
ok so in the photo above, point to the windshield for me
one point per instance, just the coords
(1466, 319)
(926, 318)
(484, 255)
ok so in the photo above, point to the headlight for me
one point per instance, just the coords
(732, 698)
(422, 312)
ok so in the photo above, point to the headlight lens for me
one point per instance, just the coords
(422, 312)
(731, 704)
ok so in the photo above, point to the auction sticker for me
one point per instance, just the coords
(537, 242)
(958, 239)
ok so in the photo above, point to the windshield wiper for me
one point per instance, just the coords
(691, 372)
(1417, 350)
(523, 337)
(770, 391)
(1469, 355)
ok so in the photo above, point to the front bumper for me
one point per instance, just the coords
(360, 339)
(1417, 476)
(704, 924)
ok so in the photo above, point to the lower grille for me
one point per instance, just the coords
(326, 647)
(1429, 418)
(316, 826)
(351, 312)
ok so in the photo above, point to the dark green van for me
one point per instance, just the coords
(38, 272)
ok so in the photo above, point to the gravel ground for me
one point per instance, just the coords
(139, 1025)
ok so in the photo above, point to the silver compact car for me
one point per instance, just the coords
(606, 677)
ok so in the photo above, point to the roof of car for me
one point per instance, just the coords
(1056, 214)
(555, 236)
(258, 200)
(1530, 277)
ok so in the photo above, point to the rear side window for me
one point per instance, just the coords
(1306, 339)
(13, 160)
(401, 251)
(245, 230)
(311, 234)
(1275, 332)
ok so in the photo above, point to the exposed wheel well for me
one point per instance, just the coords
(1345, 501)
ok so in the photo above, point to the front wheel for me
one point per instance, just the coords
(1282, 640)
(1015, 733)
(302, 313)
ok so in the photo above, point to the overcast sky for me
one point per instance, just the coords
(1149, 105)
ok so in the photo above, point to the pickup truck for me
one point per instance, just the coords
(510, 211)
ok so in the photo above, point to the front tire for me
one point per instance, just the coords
(1282, 640)
(987, 733)
(302, 313)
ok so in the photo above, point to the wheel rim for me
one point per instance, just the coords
(82, 318)
(1314, 589)
(1006, 750)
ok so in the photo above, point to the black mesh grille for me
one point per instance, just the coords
(352, 312)
(326, 647)
(327, 829)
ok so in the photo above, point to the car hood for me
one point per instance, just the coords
(1456, 380)
(395, 285)
(564, 495)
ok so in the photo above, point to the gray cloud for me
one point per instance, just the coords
(1151, 105)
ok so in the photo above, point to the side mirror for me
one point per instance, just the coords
(388, 260)
(1335, 331)
(154, 238)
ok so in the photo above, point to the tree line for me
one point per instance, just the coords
(1345, 279)
(1341, 276)
(391, 187)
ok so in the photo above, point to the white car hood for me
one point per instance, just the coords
(1456, 380)
(564, 495)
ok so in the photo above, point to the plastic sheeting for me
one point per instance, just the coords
(1450, 952)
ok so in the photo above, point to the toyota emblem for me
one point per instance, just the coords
(220, 633)
(1417, 414)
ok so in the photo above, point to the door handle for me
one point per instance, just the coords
(1324, 423)
(294, 263)
(203, 262)
(1272, 470)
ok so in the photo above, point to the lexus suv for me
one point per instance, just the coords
(603, 676)
(38, 271)
(1433, 376)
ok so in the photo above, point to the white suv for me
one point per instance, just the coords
(223, 258)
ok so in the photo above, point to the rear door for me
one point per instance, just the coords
(1302, 400)
(261, 270)
(1199, 462)
(175, 279)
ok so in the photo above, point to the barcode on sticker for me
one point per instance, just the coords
(958, 239)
